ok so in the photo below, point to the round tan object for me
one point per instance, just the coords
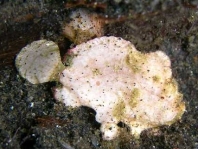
(39, 62)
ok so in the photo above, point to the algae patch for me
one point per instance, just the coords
(135, 60)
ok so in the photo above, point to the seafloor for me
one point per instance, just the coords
(30, 118)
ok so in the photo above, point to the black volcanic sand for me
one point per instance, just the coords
(30, 118)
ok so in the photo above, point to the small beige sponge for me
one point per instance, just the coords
(83, 26)
(39, 62)
(121, 84)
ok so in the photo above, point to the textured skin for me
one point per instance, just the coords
(121, 84)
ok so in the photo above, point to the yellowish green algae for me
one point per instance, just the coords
(135, 60)
(55, 75)
(135, 94)
(170, 87)
(119, 109)
(156, 78)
